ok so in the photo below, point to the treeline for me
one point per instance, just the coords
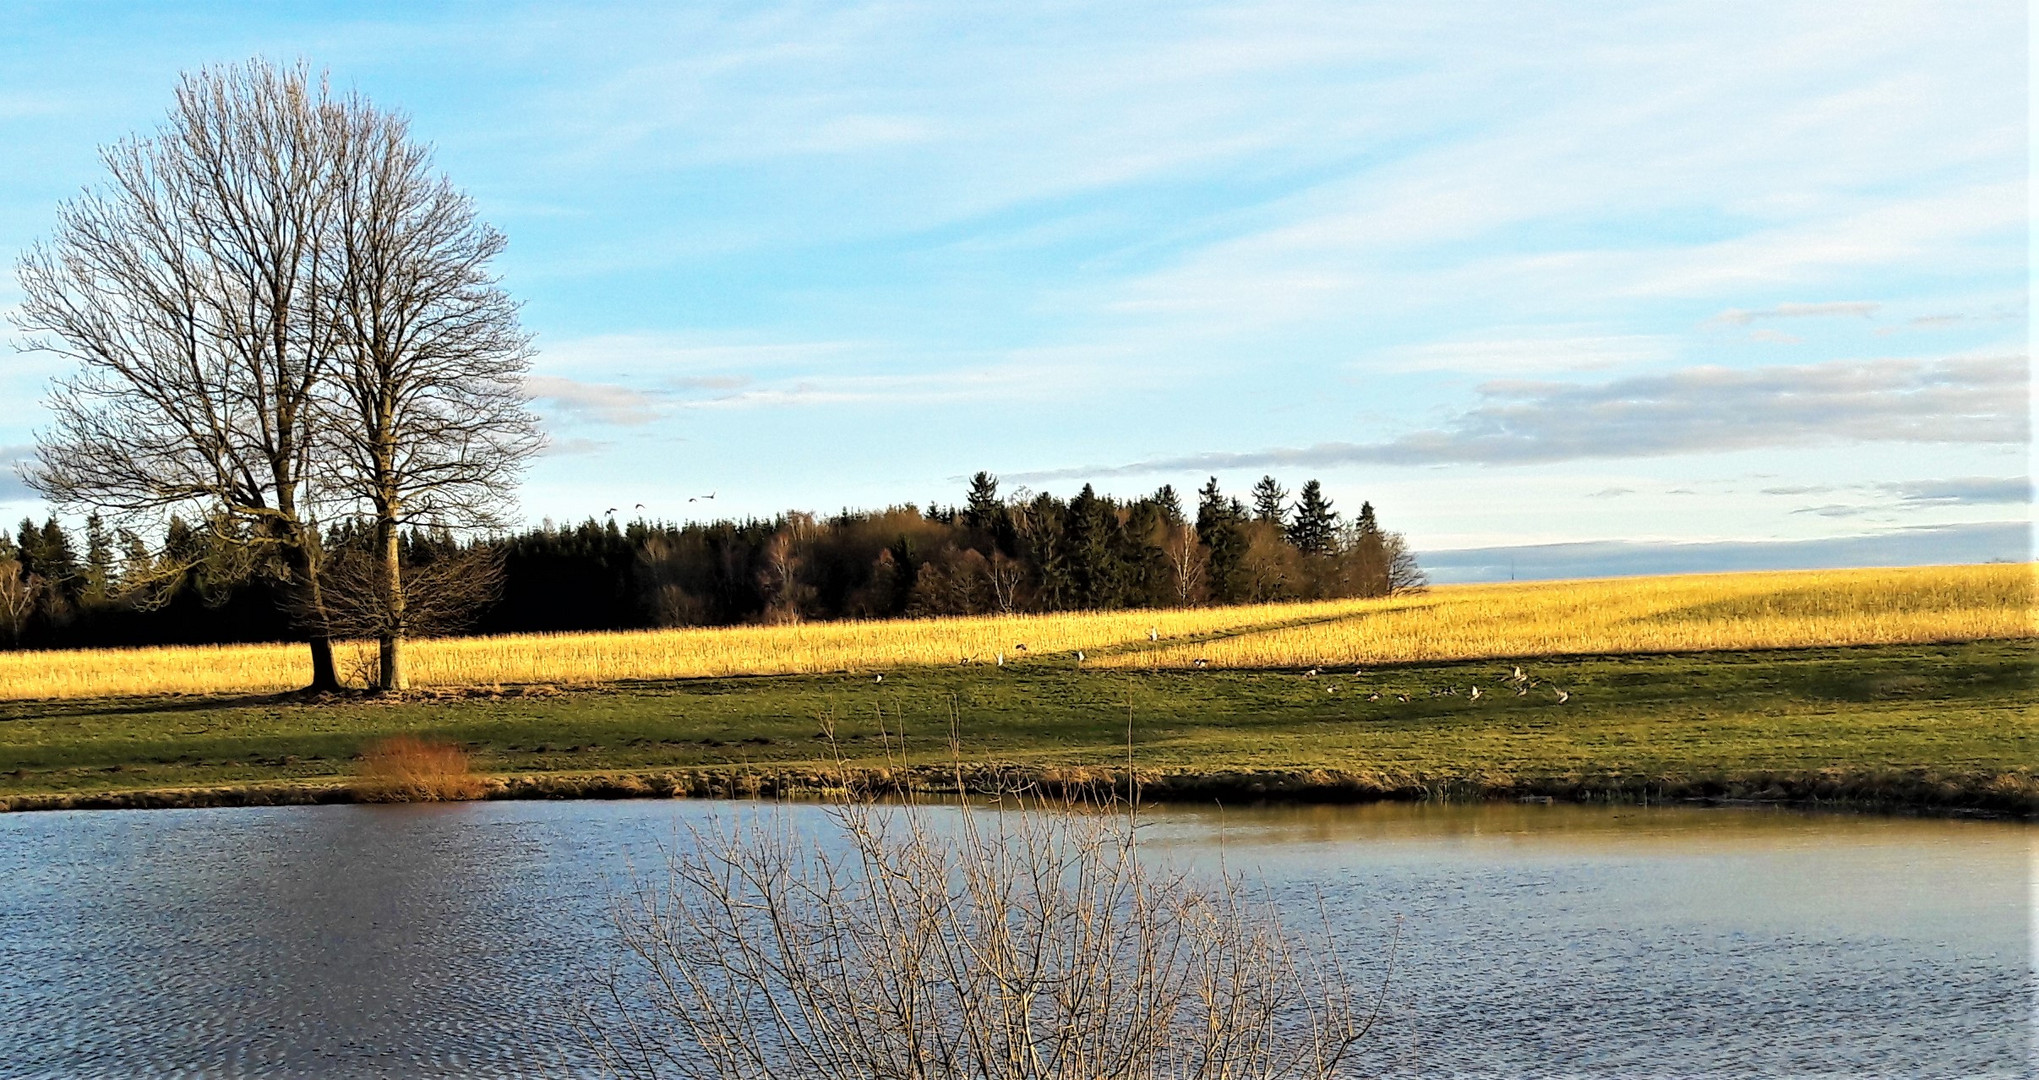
(988, 554)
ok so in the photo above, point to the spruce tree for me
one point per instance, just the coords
(1169, 503)
(97, 585)
(1315, 528)
(981, 508)
(1270, 501)
(1218, 524)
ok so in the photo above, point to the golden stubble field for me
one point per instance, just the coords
(1520, 620)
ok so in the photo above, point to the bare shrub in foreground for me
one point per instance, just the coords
(1028, 943)
(405, 768)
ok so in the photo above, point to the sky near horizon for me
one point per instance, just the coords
(1700, 274)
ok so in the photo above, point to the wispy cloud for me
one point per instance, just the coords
(1860, 309)
(11, 459)
(601, 403)
(1959, 400)
(1962, 491)
(1545, 352)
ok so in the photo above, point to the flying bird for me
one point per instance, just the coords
(1476, 693)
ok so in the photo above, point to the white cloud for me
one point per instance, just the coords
(1861, 309)
(1972, 400)
(1532, 353)
(601, 403)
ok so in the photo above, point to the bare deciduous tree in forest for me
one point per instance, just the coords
(425, 415)
(186, 288)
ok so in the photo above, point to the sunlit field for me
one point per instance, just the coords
(1700, 612)
(1664, 614)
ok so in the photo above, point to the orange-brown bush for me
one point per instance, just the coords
(405, 768)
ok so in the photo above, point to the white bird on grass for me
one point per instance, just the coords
(1153, 633)
(880, 678)
(1564, 696)
(1476, 693)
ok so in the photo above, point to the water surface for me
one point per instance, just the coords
(1545, 941)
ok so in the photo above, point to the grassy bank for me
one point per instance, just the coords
(1951, 726)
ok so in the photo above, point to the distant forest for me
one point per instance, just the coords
(989, 554)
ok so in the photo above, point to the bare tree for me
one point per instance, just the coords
(426, 416)
(185, 288)
(1188, 562)
(17, 598)
(1006, 576)
(1024, 943)
(440, 594)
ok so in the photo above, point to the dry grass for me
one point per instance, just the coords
(405, 768)
(1700, 612)
(1695, 612)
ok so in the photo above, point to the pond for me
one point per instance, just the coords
(1534, 941)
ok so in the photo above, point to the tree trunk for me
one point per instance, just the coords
(325, 677)
(391, 671)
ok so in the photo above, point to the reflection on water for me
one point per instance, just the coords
(1535, 941)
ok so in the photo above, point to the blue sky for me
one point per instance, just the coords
(1701, 274)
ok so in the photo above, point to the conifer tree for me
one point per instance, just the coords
(1315, 528)
(981, 509)
(1169, 504)
(1270, 501)
(97, 585)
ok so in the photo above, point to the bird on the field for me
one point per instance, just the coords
(1564, 696)
(1200, 662)
(1374, 696)
(880, 678)
(1153, 633)
(1476, 693)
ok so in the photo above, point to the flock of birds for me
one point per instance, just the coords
(639, 508)
(1517, 679)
